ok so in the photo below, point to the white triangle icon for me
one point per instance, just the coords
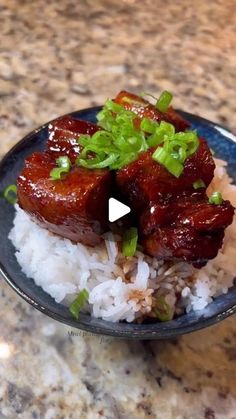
(116, 210)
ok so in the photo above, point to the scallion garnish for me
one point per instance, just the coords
(57, 172)
(176, 147)
(77, 305)
(164, 101)
(10, 194)
(149, 126)
(122, 139)
(173, 166)
(216, 198)
(117, 144)
(199, 184)
(161, 309)
(64, 164)
(129, 243)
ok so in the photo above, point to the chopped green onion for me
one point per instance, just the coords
(113, 106)
(162, 310)
(120, 141)
(164, 101)
(129, 243)
(163, 132)
(199, 184)
(95, 164)
(177, 147)
(64, 162)
(149, 126)
(57, 172)
(10, 194)
(189, 140)
(76, 306)
(117, 144)
(170, 163)
(123, 160)
(216, 198)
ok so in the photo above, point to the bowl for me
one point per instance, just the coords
(224, 144)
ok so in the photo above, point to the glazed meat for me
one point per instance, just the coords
(64, 136)
(187, 210)
(144, 109)
(187, 228)
(67, 207)
(170, 243)
(145, 180)
(175, 220)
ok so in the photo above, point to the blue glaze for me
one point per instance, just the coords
(224, 145)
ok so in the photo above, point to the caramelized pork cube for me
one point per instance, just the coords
(166, 211)
(188, 210)
(183, 243)
(144, 109)
(145, 180)
(64, 136)
(75, 207)
(206, 217)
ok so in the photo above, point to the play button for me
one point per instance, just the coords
(116, 210)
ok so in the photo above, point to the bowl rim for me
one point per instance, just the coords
(131, 330)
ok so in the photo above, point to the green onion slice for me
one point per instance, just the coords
(117, 144)
(149, 126)
(199, 184)
(215, 198)
(164, 101)
(10, 194)
(77, 305)
(96, 164)
(64, 162)
(129, 243)
(162, 310)
(57, 172)
(121, 140)
(170, 163)
(164, 132)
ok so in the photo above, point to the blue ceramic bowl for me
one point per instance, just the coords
(224, 144)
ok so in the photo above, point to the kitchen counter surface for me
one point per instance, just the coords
(56, 57)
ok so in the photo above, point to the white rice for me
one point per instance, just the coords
(121, 288)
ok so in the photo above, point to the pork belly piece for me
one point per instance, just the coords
(187, 210)
(64, 136)
(75, 207)
(206, 217)
(184, 243)
(184, 229)
(145, 180)
(144, 109)
(175, 221)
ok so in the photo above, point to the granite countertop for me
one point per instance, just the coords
(56, 57)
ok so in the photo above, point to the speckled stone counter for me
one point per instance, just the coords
(56, 57)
